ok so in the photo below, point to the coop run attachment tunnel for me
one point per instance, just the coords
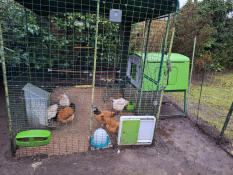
(79, 50)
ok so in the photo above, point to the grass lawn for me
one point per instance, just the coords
(217, 96)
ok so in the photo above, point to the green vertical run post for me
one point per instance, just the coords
(160, 69)
(226, 123)
(164, 46)
(143, 67)
(185, 102)
(172, 37)
(125, 28)
(6, 90)
(94, 66)
(169, 54)
(200, 95)
(191, 71)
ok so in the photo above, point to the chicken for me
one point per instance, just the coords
(52, 111)
(64, 100)
(111, 125)
(98, 115)
(105, 119)
(66, 114)
(119, 104)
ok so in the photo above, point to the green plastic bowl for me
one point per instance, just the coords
(130, 107)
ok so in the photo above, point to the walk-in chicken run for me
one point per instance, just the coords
(77, 75)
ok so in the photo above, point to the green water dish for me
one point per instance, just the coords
(131, 106)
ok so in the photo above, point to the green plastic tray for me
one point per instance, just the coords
(32, 138)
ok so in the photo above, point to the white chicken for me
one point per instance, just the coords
(52, 111)
(119, 104)
(64, 100)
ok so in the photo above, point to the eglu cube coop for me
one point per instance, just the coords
(176, 80)
(65, 61)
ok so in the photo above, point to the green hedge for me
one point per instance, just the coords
(48, 42)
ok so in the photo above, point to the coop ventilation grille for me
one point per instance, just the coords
(136, 130)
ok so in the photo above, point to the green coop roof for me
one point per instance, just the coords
(132, 10)
(155, 57)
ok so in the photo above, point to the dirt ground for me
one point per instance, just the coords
(180, 149)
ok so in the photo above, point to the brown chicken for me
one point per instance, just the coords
(101, 115)
(65, 115)
(111, 125)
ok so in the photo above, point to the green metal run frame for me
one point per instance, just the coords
(94, 68)
(167, 67)
(168, 71)
(181, 114)
(143, 68)
(147, 9)
(160, 71)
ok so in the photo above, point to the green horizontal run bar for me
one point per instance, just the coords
(150, 79)
(173, 115)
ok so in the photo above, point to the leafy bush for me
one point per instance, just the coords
(48, 42)
(210, 22)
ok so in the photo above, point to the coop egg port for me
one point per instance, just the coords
(80, 49)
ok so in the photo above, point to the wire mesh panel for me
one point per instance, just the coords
(210, 101)
(77, 52)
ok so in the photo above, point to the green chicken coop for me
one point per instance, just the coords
(175, 81)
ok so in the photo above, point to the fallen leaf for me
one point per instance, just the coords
(36, 164)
